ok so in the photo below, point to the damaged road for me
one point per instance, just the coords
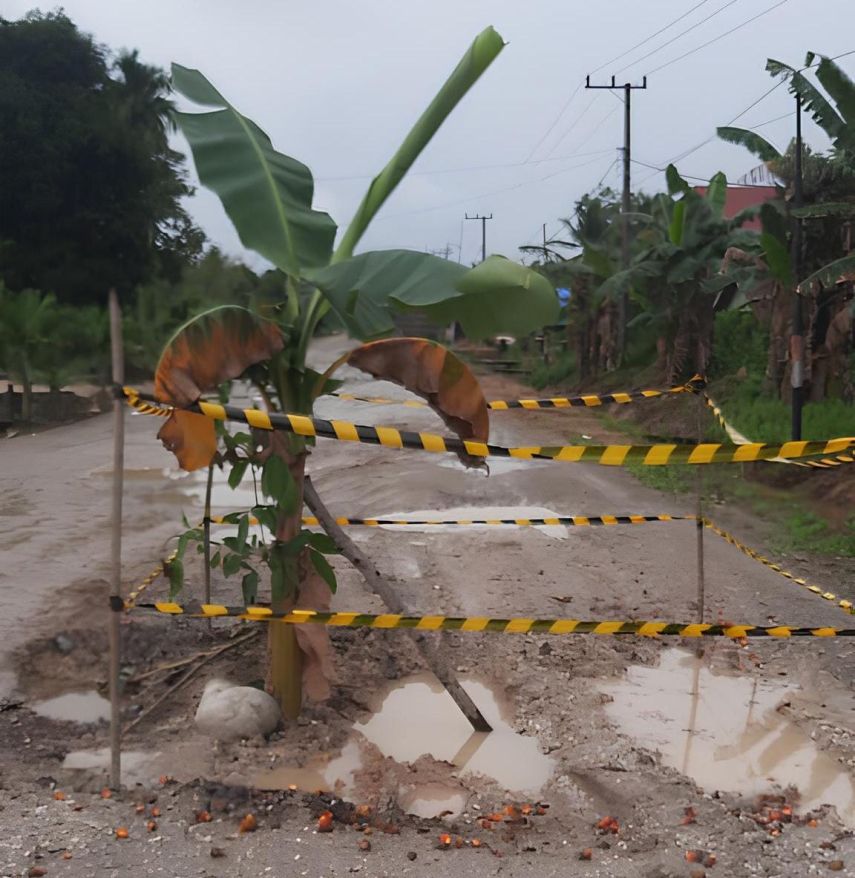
(612, 756)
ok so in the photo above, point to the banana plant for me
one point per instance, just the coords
(832, 106)
(269, 197)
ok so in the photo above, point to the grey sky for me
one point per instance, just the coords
(337, 85)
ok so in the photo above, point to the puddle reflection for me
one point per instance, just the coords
(726, 733)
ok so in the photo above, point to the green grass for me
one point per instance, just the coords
(763, 419)
(561, 371)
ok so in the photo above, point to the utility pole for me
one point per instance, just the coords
(623, 301)
(797, 341)
(483, 232)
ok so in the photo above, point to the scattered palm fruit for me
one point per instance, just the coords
(151, 825)
(364, 845)
(59, 795)
(248, 824)
(203, 817)
(689, 816)
(608, 824)
(586, 854)
(106, 793)
(445, 840)
(121, 832)
(325, 822)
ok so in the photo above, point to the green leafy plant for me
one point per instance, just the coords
(269, 198)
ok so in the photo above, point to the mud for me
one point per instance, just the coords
(566, 737)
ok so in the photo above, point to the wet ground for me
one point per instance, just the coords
(626, 728)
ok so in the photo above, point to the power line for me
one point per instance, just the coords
(573, 125)
(467, 168)
(648, 39)
(719, 37)
(555, 121)
(681, 34)
(504, 189)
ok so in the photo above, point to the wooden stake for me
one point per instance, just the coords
(393, 602)
(699, 523)
(206, 523)
(116, 539)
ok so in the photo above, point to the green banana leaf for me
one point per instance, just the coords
(477, 59)
(496, 296)
(267, 195)
(717, 193)
(675, 182)
(751, 140)
(812, 99)
(831, 208)
(777, 257)
(829, 274)
(842, 89)
(361, 290)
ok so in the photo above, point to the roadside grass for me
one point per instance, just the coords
(794, 527)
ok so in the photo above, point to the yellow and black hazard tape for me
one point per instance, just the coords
(842, 603)
(606, 455)
(503, 626)
(696, 385)
(156, 572)
(563, 520)
(821, 463)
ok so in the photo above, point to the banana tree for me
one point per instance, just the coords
(827, 218)
(681, 246)
(269, 197)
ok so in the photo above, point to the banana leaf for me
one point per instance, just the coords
(267, 195)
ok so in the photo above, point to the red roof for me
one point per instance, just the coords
(741, 197)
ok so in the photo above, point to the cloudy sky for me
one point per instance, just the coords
(338, 83)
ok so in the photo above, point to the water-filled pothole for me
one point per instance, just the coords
(726, 732)
(78, 707)
(416, 718)
(478, 513)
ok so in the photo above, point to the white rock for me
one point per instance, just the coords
(228, 712)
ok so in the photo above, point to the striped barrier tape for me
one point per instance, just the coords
(133, 596)
(842, 603)
(565, 520)
(606, 455)
(504, 626)
(738, 439)
(695, 385)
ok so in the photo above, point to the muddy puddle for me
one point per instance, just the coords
(477, 513)
(726, 732)
(79, 707)
(416, 718)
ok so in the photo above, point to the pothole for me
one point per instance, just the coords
(418, 718)
(79, 707)
(477, 513)
(725, 732)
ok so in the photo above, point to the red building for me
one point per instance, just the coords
(741, 197)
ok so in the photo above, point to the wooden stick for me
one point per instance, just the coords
(387, 594)
(206, 524)
(177, 685)
(118, 362)
(699, 523)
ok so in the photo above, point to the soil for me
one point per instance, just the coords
(556, 691)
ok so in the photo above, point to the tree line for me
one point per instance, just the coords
(695, 273)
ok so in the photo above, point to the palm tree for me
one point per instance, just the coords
(25, 319)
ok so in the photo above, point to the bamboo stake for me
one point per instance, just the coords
(117, 355)
(387, 594)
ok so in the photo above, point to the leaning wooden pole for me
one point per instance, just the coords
(387, 594)
(116, 604)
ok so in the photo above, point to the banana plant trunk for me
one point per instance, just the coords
(285, 667)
